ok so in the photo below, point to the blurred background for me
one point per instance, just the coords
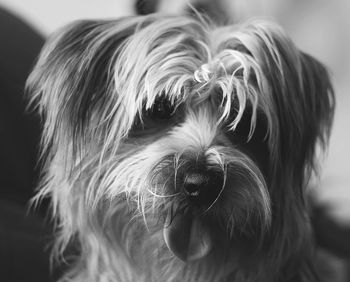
(318, 27)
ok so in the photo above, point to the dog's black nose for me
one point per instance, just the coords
(194, 182)
(201, 188)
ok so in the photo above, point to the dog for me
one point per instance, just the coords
(177, 150)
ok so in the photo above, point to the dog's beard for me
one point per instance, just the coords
(193, 192)
(155, 221)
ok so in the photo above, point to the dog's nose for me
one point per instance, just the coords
(201, 188)
(195, 182)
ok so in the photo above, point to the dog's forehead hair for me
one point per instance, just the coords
(189, 62)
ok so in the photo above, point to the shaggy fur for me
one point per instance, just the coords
(158, 125)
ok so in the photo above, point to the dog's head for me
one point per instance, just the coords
(168, 138)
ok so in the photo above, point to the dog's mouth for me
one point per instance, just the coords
(187, 237)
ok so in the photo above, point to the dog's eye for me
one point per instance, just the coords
(162, 109)
(161, 114)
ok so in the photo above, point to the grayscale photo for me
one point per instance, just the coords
(174, 141)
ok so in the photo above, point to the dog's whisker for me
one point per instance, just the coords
(219, 194)
(163, 196)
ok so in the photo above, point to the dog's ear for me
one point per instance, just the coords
(304, 104)
(318, 108)
(72, 85)
(296, 96)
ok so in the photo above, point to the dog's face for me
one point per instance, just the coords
(167, 140)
